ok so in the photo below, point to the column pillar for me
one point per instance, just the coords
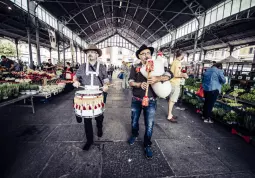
(50, 52)
(38, 47)
(231, 49)
(64, 54)
(30, 48)
(17, 47)
(76, 57)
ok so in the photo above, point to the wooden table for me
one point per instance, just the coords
(20, 98)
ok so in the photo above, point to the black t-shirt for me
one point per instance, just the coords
(70, 69)
(7, 64)
(137, 76)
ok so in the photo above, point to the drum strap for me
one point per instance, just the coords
(98, 75)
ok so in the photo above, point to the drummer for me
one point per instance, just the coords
(139, 84)
(101, 80)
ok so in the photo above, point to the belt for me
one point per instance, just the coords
(139, 99)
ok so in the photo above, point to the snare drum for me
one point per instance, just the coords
(89, 103)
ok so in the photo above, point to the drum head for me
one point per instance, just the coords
(88, 92)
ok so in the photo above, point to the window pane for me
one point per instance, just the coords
(252, 2)
(235, 7)
(24, 4)
(207, 19)
(220, 13)
(227, 9)
(213, 17)
(245, 4)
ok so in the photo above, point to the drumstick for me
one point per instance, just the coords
(108, 86)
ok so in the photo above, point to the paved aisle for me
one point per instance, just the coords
(49, 144)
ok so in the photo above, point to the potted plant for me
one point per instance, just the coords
(5, 93)
(33, 89)
(22, 89)
(27, 89)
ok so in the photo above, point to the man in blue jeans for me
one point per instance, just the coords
(212, 81)
(139, 84)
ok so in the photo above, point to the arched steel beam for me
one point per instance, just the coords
(170, 2)
(135, 5)
(105, 39)
(126, 20)
(170, 20)
(118, 46)
(120, 31)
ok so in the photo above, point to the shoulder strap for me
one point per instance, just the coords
(98, 75)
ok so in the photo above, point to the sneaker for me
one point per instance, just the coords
(132, 140)
(148, 152)
(209, 121)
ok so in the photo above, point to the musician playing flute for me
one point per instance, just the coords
(81, 78)
(139, 84)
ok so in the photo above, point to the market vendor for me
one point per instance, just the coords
(7, 63)
(68, 71)
(49, 66)
(81, 78)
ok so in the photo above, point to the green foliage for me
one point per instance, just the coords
(7, 48)
(225, 88)
(248, 96)
(250, 110)
(231, 117)
(219, 112)
(190, 81)
(236, 92)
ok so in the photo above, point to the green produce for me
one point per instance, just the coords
(249, 97)
(225, 88)
(231, 117)
(228, 100)
(219, 112)
(236, 92)
(235, 104)
(190, 82)
(250, 110)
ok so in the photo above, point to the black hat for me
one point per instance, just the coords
(143, 47)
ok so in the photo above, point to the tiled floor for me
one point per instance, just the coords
(49, 144)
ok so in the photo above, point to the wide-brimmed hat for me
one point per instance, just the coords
(93, 48)
(143, 47)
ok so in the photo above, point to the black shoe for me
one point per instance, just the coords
(87, 146)
(100, 132)
(78, 119)
(148, 152)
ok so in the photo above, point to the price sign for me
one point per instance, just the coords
(248, 78)
(240, 77)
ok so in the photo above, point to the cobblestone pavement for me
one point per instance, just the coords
(49, 143)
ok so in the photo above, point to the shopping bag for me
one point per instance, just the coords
(121, 75)
(200, 92)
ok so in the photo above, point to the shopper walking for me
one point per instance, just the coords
(176, 83)
(212, 81)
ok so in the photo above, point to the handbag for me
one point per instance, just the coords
(121, 75)
(200, 92)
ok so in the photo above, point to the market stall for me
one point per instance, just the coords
(234, 108)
